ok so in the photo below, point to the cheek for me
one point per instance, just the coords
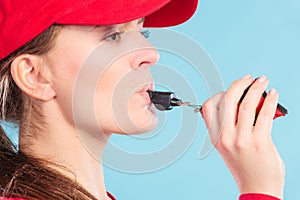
(105, 98)
(119, 108)
(124, 115)
(66, 64)
(64, 85)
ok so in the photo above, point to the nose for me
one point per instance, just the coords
(145, 56)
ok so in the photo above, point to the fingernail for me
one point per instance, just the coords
(200, 110)
(247, 76)
(262, 79)
(272, 91)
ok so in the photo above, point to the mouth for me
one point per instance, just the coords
(143, 91)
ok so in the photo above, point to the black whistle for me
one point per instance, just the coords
(163, 100)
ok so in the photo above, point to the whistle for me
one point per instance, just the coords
(167, 100)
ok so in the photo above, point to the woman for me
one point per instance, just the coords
(43, 45)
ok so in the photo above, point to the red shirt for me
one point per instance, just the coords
(242, 197)
(257, 197)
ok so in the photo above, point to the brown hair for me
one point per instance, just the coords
(21, 175)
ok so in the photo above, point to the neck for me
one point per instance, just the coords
(80, 153)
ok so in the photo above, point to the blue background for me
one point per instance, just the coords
(258, 37)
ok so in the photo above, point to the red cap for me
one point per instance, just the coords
(21, 21)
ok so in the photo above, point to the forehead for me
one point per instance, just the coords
(102, 28)
(139, 22)
(86, 36)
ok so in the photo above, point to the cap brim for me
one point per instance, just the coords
(174, 13)
(158, 13)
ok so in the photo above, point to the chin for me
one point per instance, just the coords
(145, 120)
(146, 125)
(141, 121)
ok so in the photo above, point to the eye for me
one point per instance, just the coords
(145, 33)
(114, 37)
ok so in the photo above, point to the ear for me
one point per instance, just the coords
(28, 71)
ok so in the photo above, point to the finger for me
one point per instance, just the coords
(232, 99)
(247, 109)
(210, 114)
(265, 117)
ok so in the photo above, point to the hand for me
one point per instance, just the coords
(247, 150)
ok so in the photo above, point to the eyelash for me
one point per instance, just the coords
(114, 37)
(117, 36)
(145, 33)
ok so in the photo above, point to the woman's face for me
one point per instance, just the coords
(104, 72)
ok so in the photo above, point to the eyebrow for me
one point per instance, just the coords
(108, 27)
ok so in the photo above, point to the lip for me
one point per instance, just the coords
(143, 92)
(149, 86)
